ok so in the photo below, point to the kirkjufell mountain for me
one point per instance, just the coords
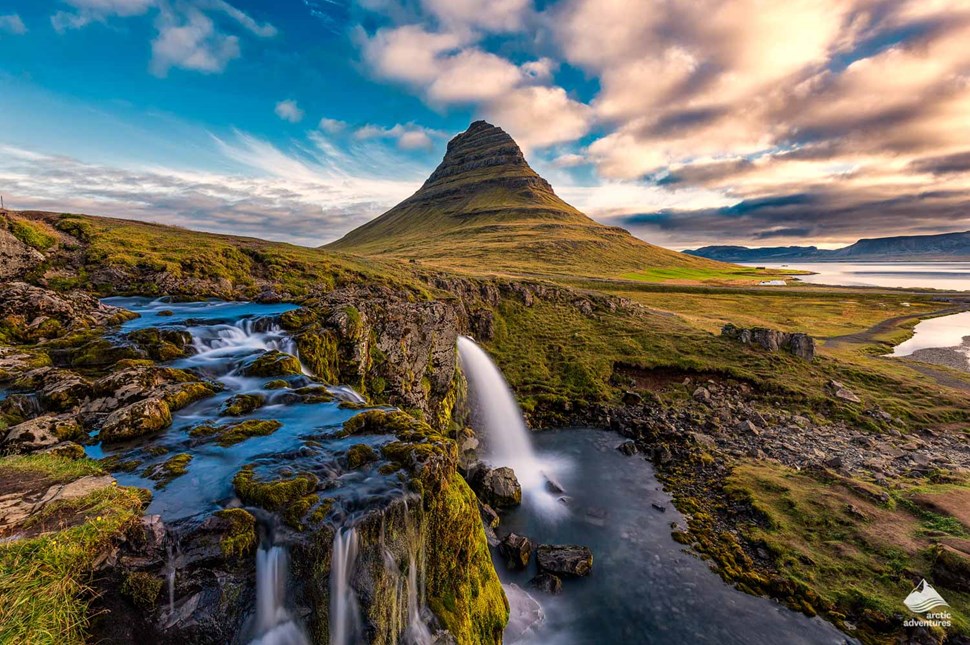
(484, 207)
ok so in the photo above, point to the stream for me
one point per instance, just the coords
(644, 587)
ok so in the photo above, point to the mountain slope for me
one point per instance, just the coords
(485, 208)
(946, 246)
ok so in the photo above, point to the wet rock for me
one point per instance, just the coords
(497, 487)
(42, 432)
(162, 344)
(63, 389)
(489, 516)
(547, 583)
(659, 507)
(240, 404)
(564, 559)
(273, 363)
(65, 449)
(517, 551)
(628, 448)
(136, 420)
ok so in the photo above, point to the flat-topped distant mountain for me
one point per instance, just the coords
(485, 209)
(926, 248)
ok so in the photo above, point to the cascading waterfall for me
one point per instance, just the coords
(274, 624)
(345, 627)
(508, 441)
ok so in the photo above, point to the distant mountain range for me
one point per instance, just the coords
(485, 209)
(924, 248)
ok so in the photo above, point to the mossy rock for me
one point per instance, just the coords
(359, 455)
(292, 498)
(240, 404)
(103, 353)
(320, 351)
(240, 538)
(136, 420)
(162, 344)
(384, 422)
(186, 394)
(143, 589)
(314, 394)
(278, 384)
(273, 363)
(172, 468)
(237, 432)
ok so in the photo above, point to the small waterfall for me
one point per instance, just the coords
(345, 627)
(507, 438)
(417, 632)
(274, 625)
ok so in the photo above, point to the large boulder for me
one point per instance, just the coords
(30, 313)
(136, 420)
(42, 432)
(564, 559)
(796, 344)
(497, 487)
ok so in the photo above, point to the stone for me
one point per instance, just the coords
(273, 363)
(135, 420)
(16, 258)
(796, 344)
(517, 551)
(628, 448)
(844, 393)
(547, 583)
(489, 516)
(41, 432)
(702, 394)
(497, 487)
(564, 559)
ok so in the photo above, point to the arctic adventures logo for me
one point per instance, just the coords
(923, 600)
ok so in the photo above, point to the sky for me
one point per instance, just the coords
(688, 122)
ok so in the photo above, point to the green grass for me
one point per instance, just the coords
(32, 234)
(223, 264)
(44, 581)
(730, 274)
(857, 566)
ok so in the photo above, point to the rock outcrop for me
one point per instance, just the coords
(796, 344)
(16, 258)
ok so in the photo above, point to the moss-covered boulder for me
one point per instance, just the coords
(239, 539)
(136, 420)
(291, 497)
(232, 433)
(42, 432)
(162, 344)
(360, 455)
(170, 469)
(240, 404)
(272, 364)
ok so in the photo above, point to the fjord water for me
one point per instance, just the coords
(644, 587)
(947, 276)
(944, 331)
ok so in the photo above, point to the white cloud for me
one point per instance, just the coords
(289, 110)
(190, 41)
(265, 30)
(407, 136)
(489, 15)
(88, 11)
(12, 24)
(540, 116)
(332, 126)
(283, 197)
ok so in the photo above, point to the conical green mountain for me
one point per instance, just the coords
(485, 209)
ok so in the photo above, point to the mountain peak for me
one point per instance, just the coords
(483, 152)
(484, 206)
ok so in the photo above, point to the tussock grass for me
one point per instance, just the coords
(44, 580)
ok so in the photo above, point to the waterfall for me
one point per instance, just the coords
(507, 439)
(274, 625)
(345, 627)
(417, 632)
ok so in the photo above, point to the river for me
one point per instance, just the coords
(644, 586)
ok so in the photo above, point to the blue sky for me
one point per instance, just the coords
(819, 121)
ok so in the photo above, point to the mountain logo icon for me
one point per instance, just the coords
(924, 598)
